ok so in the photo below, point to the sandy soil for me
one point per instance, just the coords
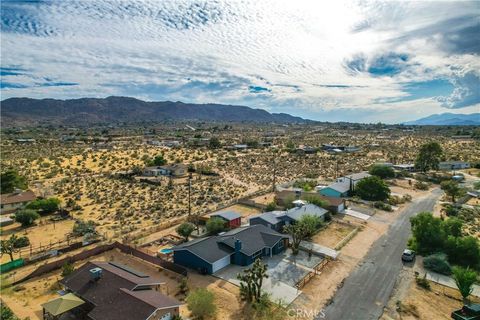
(244, 211)
(40, 235)
(332, 234)
(265, 199)
(434, 304)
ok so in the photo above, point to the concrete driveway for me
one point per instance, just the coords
(357, 214)
(284, 271)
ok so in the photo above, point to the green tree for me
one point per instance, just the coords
(290, 145)
(67, 269)
(159, 160)
(82, 227)
(8, 246)
(26, 217)
(438, 263)
(372, 188)
(183, 286)
(214, 143)
(185, 230)
(316, 200)
(271, 206)
(428, 233)
(251, 281)
(6, 313)
(451, 188)
(464, 279)
(429, 157)
(302, 230)
(10, 179)
(21, 242)
(382, 171)
(215, 225)
(45, 206)
(453, 226)
(201, 303)
(463, 251)
(476, 185)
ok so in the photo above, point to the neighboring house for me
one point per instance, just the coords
(343, 186)
(11, 202)
(113, 291)
(6, 221)
(336, 190)
(409, 167)
(333, 204)
(277, 220)
(351, 149)
(232, 219)
(240, 246)
(453, 165)
(301, 150)
(174, 170)
(240, 147)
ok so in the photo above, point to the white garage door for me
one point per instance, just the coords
(219, 264)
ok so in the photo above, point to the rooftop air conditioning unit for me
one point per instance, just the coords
(95, 274)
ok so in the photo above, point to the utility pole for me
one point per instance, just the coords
(274, 174)
(336, 169)
(189, 194)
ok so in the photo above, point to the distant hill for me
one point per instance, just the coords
(448, 119)
(87, 111)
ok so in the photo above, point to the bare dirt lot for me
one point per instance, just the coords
(434, 304)
(332, 234)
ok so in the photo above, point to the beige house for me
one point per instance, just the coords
(11, 202)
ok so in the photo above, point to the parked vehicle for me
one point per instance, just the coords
(468, 312)
(408, 255)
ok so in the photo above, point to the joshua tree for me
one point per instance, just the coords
(251, 281)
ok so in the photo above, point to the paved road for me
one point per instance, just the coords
(366, 291)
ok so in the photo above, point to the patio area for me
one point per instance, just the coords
(284, 272)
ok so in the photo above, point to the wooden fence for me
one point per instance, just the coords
(316, 270)
(55, 265)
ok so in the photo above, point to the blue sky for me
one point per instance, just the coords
(360, 61)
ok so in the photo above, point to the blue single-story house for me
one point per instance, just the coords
(277, 220)
(240, 246)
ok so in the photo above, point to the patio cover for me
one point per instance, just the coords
(62, 304)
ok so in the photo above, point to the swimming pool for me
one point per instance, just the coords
(166, 250)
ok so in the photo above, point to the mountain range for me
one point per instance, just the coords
(87, 111)
(448, 119)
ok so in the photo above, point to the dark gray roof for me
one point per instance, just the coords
(311, 209)
(207, 249)
(253, 238)
(271, 217)
(227, 215)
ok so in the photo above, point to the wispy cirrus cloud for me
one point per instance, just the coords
(310, 58)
